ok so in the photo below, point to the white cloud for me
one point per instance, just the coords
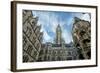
(67, 36)
(84, 16)
(46, 37)
(51, 21)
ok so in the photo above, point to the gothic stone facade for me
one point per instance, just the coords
(82, 38)
(58, 51)
(32, 37)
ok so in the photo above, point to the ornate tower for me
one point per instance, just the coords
(58, 35)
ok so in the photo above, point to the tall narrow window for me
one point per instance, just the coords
(24, 41)
(28, 32)
(29, 50)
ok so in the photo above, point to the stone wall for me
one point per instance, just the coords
(58, 52)
(82, 38)
(32, 37)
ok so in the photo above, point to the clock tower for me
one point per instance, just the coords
(58, 34)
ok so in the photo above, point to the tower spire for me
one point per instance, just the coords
(58, 34)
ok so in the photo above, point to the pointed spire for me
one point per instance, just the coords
(58, 25)
(58, 34)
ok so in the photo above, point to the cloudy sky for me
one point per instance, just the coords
(50, 19)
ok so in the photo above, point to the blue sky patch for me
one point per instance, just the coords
(50, 19)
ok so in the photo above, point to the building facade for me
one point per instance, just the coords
(58, 51)
(32, 37)
(82, 38)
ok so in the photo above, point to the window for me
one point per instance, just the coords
(89, 54)
(48, 57)
(38, 46)
(37, 29)
(86, 41)
(28, 32)
(29, 50)
(46, 51)
(45, 57)
(34, 21)
(54, 53)
(24, 41)
(39, 59)
(36, 42)
(41, 52)
(69, 53)
(58, 58)
(49, 51)
(69, 58)
(35, 54)
(53, 58)
(25, 58)
(81, 56)
(40, 36)
(82, 32)
(34, 39)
